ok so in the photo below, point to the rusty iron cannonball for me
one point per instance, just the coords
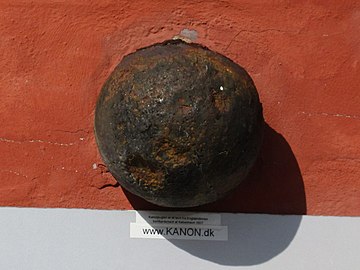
(178, 124)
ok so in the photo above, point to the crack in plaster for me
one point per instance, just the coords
(110, 185)
(6, 140)
(347, 159)
(357, 117)
(71, 131)
(257, 32)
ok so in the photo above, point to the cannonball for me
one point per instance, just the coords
(178, 124)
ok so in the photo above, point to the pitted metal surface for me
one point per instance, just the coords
(178, 124)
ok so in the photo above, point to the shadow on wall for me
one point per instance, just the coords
(274, 186)
(253, 239)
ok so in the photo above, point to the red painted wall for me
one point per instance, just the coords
(303, 56)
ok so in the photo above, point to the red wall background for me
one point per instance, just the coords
(303, 56)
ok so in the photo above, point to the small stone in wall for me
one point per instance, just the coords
(187, 35)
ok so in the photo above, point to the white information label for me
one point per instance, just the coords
(178, 218)
(178, 225)
(199, 232)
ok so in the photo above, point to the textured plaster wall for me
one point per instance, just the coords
(303, 56)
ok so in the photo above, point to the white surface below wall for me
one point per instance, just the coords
(43, 239)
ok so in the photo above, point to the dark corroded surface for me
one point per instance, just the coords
(178, 124)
